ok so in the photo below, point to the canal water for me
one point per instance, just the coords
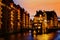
(30, 36)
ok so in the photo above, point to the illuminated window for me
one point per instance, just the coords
(40, 15)
(39, 27)
(19, 11)
(11, 12)
(45, 20)
(0, 24)
(11, 18)
(18, 23)
(12, 24)
(18, 17)
(11, 4)
(35, 24)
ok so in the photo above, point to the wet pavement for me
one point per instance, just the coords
(30, 36)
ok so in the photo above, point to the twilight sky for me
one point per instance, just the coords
(32, 5)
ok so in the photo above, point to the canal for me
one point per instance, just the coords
(30, 36)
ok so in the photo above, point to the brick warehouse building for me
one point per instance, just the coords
(12, 16)
(45, 20)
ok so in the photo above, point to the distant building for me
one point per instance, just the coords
(24, 19)
(59, 22)
(45, 19)
(38, 19)
(30, 23)
(52, 19)
(27, 20)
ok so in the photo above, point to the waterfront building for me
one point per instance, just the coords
(27, 20)
(18, 18)
(10, 18)
(38, 19)
(52, 19)
(45, 20)
(0, 16)
(58, 22)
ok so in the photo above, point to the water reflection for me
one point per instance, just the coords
(12, 37)
(30, 36)
(57, 37)
(46, 36)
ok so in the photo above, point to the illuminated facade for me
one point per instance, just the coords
(58, 24)
(38, 20)
(24, 19)
(0, 16)
(10, 19)
(5, 17)
(30, 23)
(52, 19)
(45, 19)
(8, 12)
(18, 17)
(27, 20)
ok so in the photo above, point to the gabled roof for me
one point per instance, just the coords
(38, 13)
(50, 14)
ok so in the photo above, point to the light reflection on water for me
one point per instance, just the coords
(45, 36)
(29, 36)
